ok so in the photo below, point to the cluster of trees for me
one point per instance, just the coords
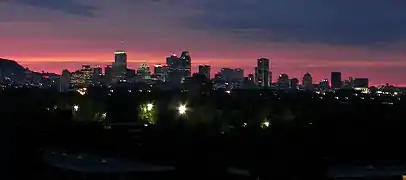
(252, 127)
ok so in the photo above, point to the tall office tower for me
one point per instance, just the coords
(336, 80)
(205, 70)
(174, 75)
(119, 66)
(238, 74)
(361, 82)
(120, 59)
(186, 63)
(227, 74)
(283, 81)
(161, 72)
(294, 83)
(64, 80)
(82, 77)
(263, 72)
(307, 81)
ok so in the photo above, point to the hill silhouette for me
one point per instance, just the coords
(10, 68)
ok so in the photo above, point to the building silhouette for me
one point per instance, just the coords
(263, 72)
(336, 82)
(205, 70)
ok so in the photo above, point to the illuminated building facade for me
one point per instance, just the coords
(161, 72)
(82, 77)
(179, 67)
(119, 66)
(120, 59)
(263, 72)
(186, 64)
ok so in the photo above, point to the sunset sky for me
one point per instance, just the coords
(363, 38)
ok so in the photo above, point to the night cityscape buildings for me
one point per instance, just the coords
(262, 72)
(205, 70)
(336, 80)
(176, 73)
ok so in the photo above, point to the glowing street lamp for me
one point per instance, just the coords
(150, 106)
(82, 91)
(182, 109)
(103, 116)
(76, 108)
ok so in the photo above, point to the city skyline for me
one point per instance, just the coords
(52, 35)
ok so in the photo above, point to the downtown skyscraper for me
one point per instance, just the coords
(263, 74)
(179, 67)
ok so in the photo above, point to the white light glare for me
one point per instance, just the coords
(75, 107)
(150, 106)
(182, 109)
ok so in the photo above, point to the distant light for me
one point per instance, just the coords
(119, 52)
(103, 161)
(146, 125)
(104, 115)
(182, 109)
(244, 124)
(266, 124)
(228, 92)
(82, 91)
(150, 106)
(76, 108)
(337, 97)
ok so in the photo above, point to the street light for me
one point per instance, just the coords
(182, 109)
(75, 107)
(150, 106)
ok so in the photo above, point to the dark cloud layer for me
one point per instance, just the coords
(357, 22)
(67, 6)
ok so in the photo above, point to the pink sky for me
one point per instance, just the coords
(49, 40)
